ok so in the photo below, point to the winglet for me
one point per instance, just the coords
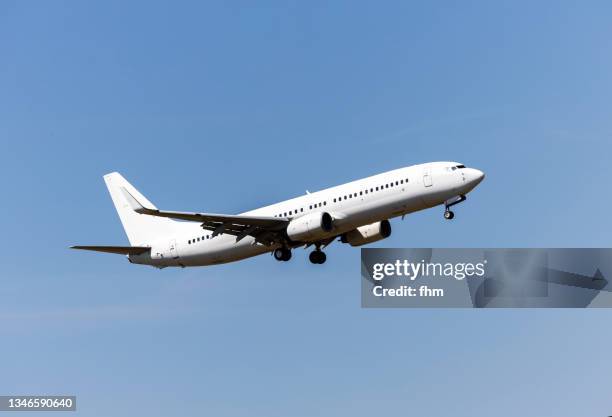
(135, 204)
(598, 276)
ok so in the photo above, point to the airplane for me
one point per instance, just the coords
(357, 213)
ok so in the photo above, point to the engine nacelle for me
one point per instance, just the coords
(311, 227)
(368, 233)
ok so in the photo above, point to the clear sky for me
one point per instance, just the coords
(227, 106)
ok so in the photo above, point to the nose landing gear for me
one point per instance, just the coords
(448, 214)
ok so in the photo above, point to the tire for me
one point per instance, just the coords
(278, 254)
(322, 257)
(317, 257)
(448, 215)
(286, 254)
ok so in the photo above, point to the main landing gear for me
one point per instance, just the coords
(448, 214)
(282, 254)
(317, 256)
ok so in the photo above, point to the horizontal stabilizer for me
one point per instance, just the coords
(120, 250)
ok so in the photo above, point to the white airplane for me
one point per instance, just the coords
(357, 212)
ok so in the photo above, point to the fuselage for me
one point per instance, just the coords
(351, 205)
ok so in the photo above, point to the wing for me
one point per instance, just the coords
(120, 250)
(266, 230)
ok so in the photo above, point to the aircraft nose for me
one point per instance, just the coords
(475, 177)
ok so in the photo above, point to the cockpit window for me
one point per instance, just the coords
(460, 166)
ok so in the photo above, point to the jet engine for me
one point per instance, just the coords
(311, 227)
(368, 233)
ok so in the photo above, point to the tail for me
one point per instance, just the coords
(141, 229)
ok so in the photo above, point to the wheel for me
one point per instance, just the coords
(322, 257)
(313, 257)
(286, 254)
(317, 257)
(448, 214)
(278, 254)
(282, 254)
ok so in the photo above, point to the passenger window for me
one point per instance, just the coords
(325, 203)
(360, 192)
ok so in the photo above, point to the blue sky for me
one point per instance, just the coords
(226, 107)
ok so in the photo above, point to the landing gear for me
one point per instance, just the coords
(448, 214)
(282, 254)
(317, 257)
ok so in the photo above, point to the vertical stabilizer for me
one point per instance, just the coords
(141, 229)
